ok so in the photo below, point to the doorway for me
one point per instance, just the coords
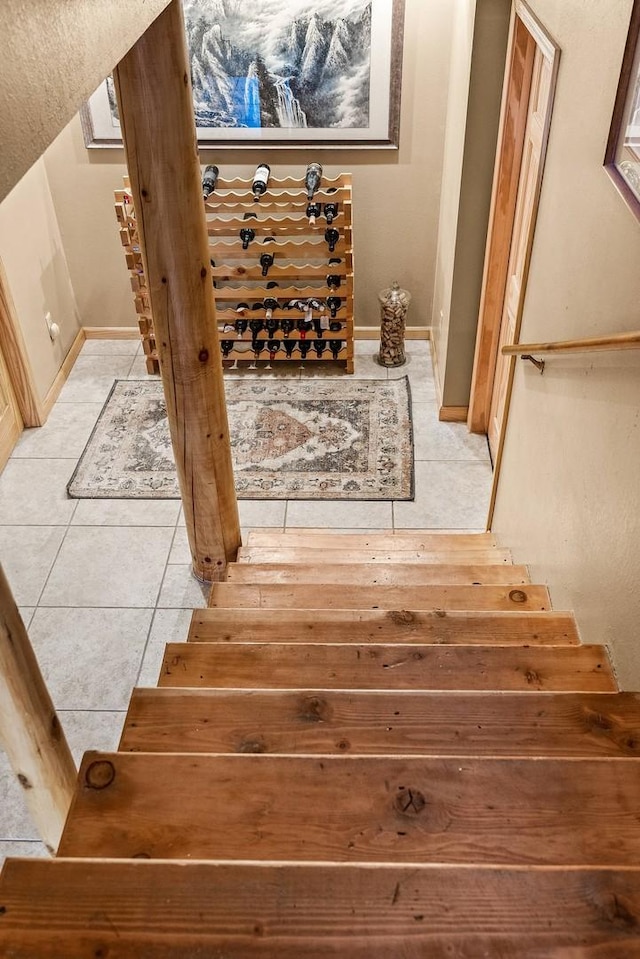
(530, 79)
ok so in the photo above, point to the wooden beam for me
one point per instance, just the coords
(156, 114)
(30, 732)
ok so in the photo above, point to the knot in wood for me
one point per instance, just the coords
(100, 774)
(401, 617)
(256, 745)
(409, 802)
(518, 596)
(314, 709)
(203, 355)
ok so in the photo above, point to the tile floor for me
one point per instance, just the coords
(104, 584)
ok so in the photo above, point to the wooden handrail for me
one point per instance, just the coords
(621, 341)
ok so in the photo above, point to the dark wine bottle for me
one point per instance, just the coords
(289, 347)
(247, 235)
(272, 284)
(335, 346)
(240, 326)
(226, 346)
(269, 239)
(303, 327)
(334, 260)
(271, 326)
(312, 179)
(260, 180)
(241, 307)
(319, 347)
(209, 179)
(331, 236)
(333, 281)
(256, 326)
(334, 303)
(270, 304)
(273, 346)
(304, 346)
(266, 260)
(313, 212)
(330, 211)
(250, 216)
(335, 326)
(213, 279)
(317, 325)
(258, 346)
(286, 326)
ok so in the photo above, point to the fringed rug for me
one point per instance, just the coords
(290, 439)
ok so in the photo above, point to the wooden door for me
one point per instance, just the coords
(10, 419)
(521, 238)
(530, 77)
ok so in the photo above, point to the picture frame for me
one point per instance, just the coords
(339, 85)
(622, 157)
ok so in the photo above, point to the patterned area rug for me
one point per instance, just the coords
(291, 439)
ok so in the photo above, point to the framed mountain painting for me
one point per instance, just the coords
(284, 73)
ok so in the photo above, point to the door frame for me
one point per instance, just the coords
(525, 36)
(14, 353)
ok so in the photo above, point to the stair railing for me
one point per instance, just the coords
(619, 341)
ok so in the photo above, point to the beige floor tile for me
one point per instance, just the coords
(180, 551)
(14, 849)
(261, 512)
(34, 492)
(15, 820)
(138, 370)
(100, 347)
(27, 613)
(90, 657)
(27, 554)
(434, 440)
(449, 495)
(169, 626)
(92, 729)
(91, 379)
(102, 566)
(126, 512)
(64, 435)
(325, 514)
(181, 590)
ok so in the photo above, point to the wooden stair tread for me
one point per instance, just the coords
(285, 596)
(380, 625)
(372, 574)
(327, 556)
(355, 808)
(377, 666)
(362, 722)
(411, 539)
(71, 909)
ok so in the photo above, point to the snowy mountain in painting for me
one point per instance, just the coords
(280, 63)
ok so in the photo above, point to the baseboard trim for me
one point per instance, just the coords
(111, 332)
(373, 333)
(63, 373)
(453, 414)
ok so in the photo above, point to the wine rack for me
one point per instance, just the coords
(298, 275)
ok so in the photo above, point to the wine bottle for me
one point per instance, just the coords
(304, 347)
(260, 180)
(209, 179)
(273, 346)
(240, 326)
(333, 281)
(312, 179)
(272, 284)
(266, 260)
(271, 326)
(319, 347)
(286, 326)
(241, 307)
(313, 212)
(331, 236)
(226, 346)
(256, 326)
(334, 303)
(303, 326)
(270, 304)
(289, 347)
(213, 279)
(317, 325)
(330, 212)
(258, 346)
(247, 235)
(335, 326)
(335, 346)
(250, 216)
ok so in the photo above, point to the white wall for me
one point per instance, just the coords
(569, 494)
(396, 192)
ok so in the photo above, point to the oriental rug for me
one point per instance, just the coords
(315, 439)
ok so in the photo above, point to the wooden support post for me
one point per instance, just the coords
(158, 126)
(30, 732)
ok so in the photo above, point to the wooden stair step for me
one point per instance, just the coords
(72, 909)
(347, 722)
(382, 626)
(327, 556)
(375, 574)
(284, 596)
(377, 666)
(356, 808)
(411, 539)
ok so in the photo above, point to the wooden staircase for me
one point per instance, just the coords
(374, 747)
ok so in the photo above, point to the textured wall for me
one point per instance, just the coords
(396, 192)
(569, 492)
(54, 54)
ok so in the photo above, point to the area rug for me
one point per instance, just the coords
(291, 439)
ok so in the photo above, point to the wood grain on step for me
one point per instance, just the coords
(72, 909)
(372, 574)
(381, 722)
(377, 666)
(328, 556)
(383, 626)
(409, 539)
(357, 809)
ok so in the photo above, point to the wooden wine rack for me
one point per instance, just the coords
(301, 266)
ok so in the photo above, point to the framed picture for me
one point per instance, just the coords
(274, 74)
(622, 158)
